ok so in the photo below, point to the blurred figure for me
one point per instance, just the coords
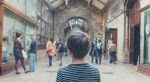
(17, 50)
(99, 50)
(92, 52)
(51, 50)
(112, 51)
(60, 51)
(33, 52)
(96, 52)
(65, 50)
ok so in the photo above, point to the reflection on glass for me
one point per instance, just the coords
(147, 37)
(7, 52)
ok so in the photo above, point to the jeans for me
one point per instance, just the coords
(50, 60)
(18, 56)
(112, 57)
(96, 56)
(32, 62)
(60, 55)
(100, 55)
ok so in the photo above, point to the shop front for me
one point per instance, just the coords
(16, 16)
(144, 67)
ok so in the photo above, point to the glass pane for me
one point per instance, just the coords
(18, 4)
(147, 37)
(12, 23)
(32, 8)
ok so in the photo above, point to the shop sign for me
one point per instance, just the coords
(147, 29)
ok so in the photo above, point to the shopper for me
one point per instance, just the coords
(60, 51)
(33, 52)
(51, 50)
(99, 50)
(112, 50)
(17, 50)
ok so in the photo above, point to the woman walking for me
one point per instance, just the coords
(51, 50)
(18, 53)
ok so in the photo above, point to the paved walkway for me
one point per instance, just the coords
(109, 72)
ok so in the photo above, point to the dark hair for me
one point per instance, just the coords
(79, 44)
(18, 34)
(52, 40)
(99, 40)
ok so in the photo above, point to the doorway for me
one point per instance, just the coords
(135, 45)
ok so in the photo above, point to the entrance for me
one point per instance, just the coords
(135, 45)
(76, 23)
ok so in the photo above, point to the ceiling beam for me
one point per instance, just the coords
(49, 6)
(53, 2)
(66, 2)
(90, 2)
(101, 2)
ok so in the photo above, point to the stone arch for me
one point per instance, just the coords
(64, 26)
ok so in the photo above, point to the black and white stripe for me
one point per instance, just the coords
(78, 73)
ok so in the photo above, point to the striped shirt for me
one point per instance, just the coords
(78, 73)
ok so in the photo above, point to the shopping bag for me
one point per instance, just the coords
(24, 54)
(51, 52)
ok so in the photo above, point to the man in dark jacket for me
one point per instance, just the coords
(60, 51)
(32, 55)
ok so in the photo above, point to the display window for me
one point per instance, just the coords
(147, 37)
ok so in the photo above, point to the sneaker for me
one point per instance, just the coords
(26, 71)
(17, 72)
(60, 64)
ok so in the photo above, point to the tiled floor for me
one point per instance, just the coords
(109, 72)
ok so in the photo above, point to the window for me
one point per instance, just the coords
(147, 37)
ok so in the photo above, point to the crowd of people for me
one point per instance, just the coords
(78, 45)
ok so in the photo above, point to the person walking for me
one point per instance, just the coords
(96, 52)
(32, 54)
(99, 50)
(78, 44)
(51, 50)
(17, 50)
(92, 52)
(60, 51)
(112, 51)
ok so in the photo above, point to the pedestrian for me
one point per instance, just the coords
(60, 51)
(65, 50)
(108, 48)
(112, 51)
(78, 44)
(17, 50)
(32, 54)
(51, 50)
(99, 50)
(96, 52)
(92, 52)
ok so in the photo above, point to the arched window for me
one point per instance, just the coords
(76, 22)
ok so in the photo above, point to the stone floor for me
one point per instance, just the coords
(109, 72)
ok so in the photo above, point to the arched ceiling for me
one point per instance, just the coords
(99, 4)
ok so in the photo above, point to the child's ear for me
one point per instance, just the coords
(69, 52)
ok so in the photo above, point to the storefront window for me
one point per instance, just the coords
(12, 24)
(30, 30)
(147, 37)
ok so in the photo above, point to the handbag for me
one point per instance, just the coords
(24, 54)
(52, 52)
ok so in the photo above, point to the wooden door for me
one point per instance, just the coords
(114, 35)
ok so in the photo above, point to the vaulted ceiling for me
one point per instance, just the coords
(99, 4)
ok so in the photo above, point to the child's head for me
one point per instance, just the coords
(78, 44)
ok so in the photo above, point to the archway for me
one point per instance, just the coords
(76, 23)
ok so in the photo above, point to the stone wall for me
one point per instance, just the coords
(80, 9)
